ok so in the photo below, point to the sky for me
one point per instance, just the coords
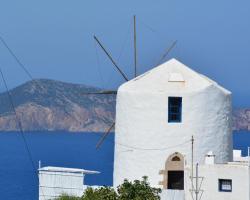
(54, 39)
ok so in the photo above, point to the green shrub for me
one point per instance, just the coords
(136, 190)
(103, 193)
(66, 197)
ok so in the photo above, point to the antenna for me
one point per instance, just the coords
(111, 59)
(39, 164)
(135, 48)
(196, 190)
(192, 163)
(197, 182)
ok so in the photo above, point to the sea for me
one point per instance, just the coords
(18, 170)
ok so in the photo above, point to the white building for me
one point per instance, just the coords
(228, 181)
(158, 112)
(55, 181)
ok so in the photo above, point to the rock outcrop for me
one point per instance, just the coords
(47, 105)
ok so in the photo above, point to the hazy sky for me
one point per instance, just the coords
(54, 39)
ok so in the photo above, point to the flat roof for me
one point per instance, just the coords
(67, 170)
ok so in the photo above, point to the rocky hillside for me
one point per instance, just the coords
(53, 105)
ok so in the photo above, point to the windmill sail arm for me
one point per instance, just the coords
(111, 59)
(101, 92)
(167, 52)
(105, 135)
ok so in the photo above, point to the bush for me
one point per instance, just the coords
(136, 190)
(103, 193)
(66, 197)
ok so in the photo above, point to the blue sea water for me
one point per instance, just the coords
(18, 180)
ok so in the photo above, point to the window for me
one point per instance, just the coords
(176, 158)
(174, 109)
(225, 185)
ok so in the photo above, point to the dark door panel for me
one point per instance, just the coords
(176, 180)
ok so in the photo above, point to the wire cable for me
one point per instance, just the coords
(29, 74)
(149, 27)
(124, 42)
(153, 149)
(15, 57)
(19, 123)
(147, 149)
(158, 35)
(19, 62)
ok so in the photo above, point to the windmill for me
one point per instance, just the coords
(119, 70)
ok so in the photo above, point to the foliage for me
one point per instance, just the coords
(103, 193)
(66, 197)
(136, 190)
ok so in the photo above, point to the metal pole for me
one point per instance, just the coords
(39, 164)
(192, 163)
(248, 172)
(135, 48)
(197, 183)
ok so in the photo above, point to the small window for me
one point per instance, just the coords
(174, 109)
(225, 185)
(176, 158)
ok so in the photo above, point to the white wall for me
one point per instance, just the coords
(211, 173)
(172, 195)
(54, 184)
(141, 122)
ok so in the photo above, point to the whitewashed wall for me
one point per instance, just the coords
(54, 184)
(172, 195)
(211, 173)
(142, 122)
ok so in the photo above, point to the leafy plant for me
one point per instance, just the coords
(136, 190)
(103, 193)
(66, 197)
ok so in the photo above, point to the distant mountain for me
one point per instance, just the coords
(48, 105)
(53, 105)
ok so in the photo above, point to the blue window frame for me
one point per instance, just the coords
(174, 109)
(225, 185)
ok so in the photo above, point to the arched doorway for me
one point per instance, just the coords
(174, 172)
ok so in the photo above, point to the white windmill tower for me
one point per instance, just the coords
(156, 115)
(158, 112)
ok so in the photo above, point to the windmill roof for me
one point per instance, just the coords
(170, 76)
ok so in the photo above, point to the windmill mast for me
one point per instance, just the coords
(135, 48)
(102, 139)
